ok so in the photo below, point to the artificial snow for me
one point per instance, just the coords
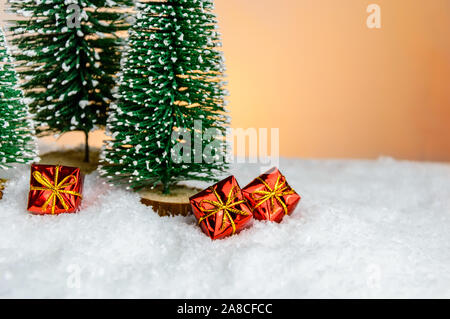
(362, 229)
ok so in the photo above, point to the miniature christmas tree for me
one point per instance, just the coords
(69, 55)
(172, 81)
(17, 144)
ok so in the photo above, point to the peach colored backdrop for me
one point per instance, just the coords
(334, 87)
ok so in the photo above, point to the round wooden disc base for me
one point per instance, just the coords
(175, 204)
(73, 158)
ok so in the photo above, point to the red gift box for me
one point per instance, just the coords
(271, 197)
(55, 189)
(221, 210)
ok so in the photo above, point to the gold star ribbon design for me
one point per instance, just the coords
(57, 188)
(227, 208)
(275, 194)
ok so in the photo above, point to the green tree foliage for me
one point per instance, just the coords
(172, 78)
(17, 144)
(68, 53)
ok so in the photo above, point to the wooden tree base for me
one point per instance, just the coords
(73, 158)
(2, 187)
(175, 204)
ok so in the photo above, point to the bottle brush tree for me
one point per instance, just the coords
(171, 85)
(17, 142)
(68, 53)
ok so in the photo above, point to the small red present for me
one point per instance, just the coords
(55, 189)
(271, 197)
(221, 210)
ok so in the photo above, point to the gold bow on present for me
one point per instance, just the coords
(227, 208)
(56, 189)
(2, 182)
(279, 190)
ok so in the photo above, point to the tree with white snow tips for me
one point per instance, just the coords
(172, 79)
(69, 54)
(17, 142)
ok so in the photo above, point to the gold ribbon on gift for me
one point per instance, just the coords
(57, 188)
(2, 182)
(275, 194)
(227, 207)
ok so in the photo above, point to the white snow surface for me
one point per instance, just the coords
(363, 229)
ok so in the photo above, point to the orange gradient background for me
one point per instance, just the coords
(334, 87)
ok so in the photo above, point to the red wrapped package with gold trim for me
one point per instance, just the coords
(221, 210)
(271, 197)
(55, 189)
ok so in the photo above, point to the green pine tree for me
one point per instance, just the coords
(68, 53)
(172, 76)
(17, 144)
